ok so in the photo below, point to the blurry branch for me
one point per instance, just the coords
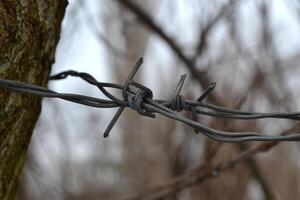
(270, 46)
(116, 51)
(259, 176)
(267, 51)
(225, 9)
(260, 80)
(252, 164)
(92, 25)
(204, 172)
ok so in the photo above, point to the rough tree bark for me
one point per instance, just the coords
(29, 33)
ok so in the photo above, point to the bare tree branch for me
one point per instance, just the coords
(209, 26)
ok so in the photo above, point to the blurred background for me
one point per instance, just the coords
(250, 48)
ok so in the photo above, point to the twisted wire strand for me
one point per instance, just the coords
(140, 98)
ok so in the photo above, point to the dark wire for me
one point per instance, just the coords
(140, 98)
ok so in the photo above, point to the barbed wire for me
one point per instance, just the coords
(140, 98)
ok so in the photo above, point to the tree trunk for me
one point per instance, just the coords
(29, 33)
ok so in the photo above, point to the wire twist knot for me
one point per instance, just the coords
(136, 100)
(178, 104)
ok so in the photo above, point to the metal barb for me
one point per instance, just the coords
(141, 100)
(206, 92)
(125, 96)
(175, 100)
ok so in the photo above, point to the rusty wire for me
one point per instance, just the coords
(140, 98)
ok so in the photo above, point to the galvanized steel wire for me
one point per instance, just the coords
(140, 98)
